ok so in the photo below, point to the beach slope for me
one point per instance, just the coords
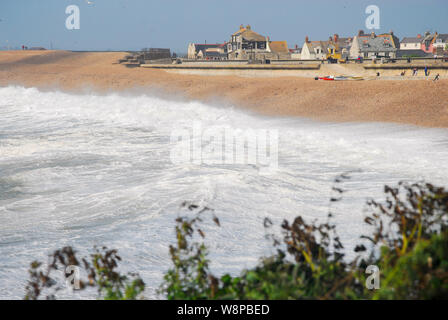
(419, 102)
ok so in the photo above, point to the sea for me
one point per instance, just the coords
(112, 169)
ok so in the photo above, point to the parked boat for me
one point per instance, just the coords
(338, 78)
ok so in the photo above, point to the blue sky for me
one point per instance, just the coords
(135, 24)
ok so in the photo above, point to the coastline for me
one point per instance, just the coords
(418, 102)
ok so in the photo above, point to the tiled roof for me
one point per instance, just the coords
(411, 40)
(317, 44)
(279, 46)
(444, 37)
(380, 43)
(345, 42)
(249, 35)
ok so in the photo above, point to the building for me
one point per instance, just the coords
(374, 46)
(202, 51)
(436, 43)
(156, 53)
(314, 50)
(411, 43)
(441, 41)
(296, 53)
(428, 42)
(278, 50)
(246, 44)
(335, 48)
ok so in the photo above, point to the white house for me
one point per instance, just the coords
(314, 50)
(411, 43)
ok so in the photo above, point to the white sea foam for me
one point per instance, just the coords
(87, 170)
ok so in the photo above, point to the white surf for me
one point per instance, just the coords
(88, 169)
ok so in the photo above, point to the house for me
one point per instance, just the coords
(428, 42)
(436, 43)
(335, 48)
(246, 44)
(314, 50)
(278, 50)
(296, 53)
(338, 48)
(344, 46)
(411, 43)
(441, 41)
(374, 46)
(200, 51)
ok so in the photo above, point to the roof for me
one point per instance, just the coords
(242, 29)
(444, 37)
(249, 35)
(330, 44)
(380, 43)
(279, 46)
(412, 40)
(345, 42)
(429, 37)
(317, 44)
(295, 50)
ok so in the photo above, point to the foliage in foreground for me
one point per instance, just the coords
(408, 243)
(102, 274)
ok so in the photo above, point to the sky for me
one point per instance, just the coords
(137, 24)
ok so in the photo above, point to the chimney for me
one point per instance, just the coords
(248, 27)
(307, 39)
(336, 38)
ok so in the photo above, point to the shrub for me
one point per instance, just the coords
(102, 274)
